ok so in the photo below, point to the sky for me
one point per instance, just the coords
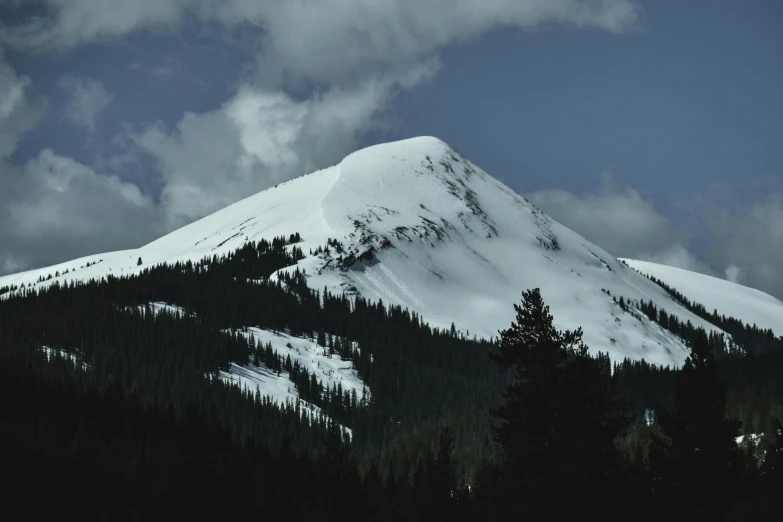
(653, 128)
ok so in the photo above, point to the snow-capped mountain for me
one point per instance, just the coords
(421, 226)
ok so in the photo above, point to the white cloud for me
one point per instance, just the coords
(733, 273)
(255, 140)
(18, 115)
(344, 38)
(87, 98)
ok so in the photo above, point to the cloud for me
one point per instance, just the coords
(749, 242)
(64, 23)
(345, 38)
(87, 98)
(678, 255)
(744, 242)
(621, 222)
(255, 140)
(164, 68)
(11, 265)
(18, 115)
(54, 208)
(733, 273)
(359, 51)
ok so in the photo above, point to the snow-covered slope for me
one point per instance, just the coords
(425, 228)
(330, 370)
(749, 305)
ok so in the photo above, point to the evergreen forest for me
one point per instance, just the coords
(114, 409)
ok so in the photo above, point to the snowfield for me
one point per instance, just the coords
(423, 227)
(330, 370)
(749, 305)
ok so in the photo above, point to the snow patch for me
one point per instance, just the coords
(329, 369)
(51, 353)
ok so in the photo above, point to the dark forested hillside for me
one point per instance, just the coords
(750, 339)
(111, 397)
(416, 374)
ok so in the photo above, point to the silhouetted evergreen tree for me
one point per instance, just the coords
(772, 464)
(445, 493)
(695, 462)
(559, 420)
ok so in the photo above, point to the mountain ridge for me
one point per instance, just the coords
(750, 305)
(414, 223)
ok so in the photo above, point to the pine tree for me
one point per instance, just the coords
(696, 454)
(772, 465)
(444, 484)
(560, 417)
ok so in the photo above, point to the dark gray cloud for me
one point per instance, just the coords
(748, 242)
(53, 208)
(745, 243)
(18, 114)
(622, 222)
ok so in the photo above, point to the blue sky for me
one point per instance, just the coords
(651, 127)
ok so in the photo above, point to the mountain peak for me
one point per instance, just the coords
(416, 224)
(417, 145)
(421, 155)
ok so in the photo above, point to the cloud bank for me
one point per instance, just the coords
(749, 242)
(746, 246)
(621, 222)
(52, 207)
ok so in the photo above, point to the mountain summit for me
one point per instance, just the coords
(414, 223)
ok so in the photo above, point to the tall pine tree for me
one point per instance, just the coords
(559, 420)
(696, 463)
